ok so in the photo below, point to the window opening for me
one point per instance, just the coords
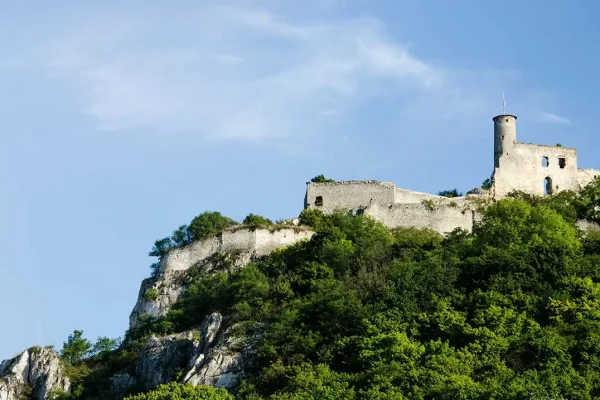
(548, 186)
(319, 201)
(562, 162)
(544, 161)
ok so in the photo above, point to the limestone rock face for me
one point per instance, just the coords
(163, 357)
(207, 356)
(36, 374)
(219, 365)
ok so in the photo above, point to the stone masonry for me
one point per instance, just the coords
(530, 168)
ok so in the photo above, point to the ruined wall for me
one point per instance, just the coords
(410, 196)
(441, 218)
(349, 195)
(258, 241)
(586, 176)
(521, 169)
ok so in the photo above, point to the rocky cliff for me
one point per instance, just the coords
(34, 374)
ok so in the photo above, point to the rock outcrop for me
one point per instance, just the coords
(207, 356)
(234, 249)
(34, 374)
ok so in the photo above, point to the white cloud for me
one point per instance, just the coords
(553, 118)
(235, 72)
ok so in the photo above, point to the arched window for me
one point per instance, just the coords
(544, 161)
(548, 186)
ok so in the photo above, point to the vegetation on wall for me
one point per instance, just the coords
(450, 193)
(257, 221)
(509, 311)
(202, 226)
(321, 179)
(487, 184)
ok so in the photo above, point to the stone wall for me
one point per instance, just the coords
(244, 243)
(586, 176)
(348, 195)
(521, 168)
(441, 218)
(257, 241)
(410, 196)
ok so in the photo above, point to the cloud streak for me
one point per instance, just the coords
(232, 72)
(551, 118)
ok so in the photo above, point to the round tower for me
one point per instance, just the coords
(505, 136)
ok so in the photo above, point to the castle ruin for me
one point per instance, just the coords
(530, 168)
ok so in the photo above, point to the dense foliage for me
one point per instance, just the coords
(257, 221)
(175, 391)
(510, 311)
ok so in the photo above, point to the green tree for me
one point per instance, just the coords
(487, 184)
(179, 391)
(104, 345)
(257, 221)
(311, 218)
(76, 348)
(588, 203)
(208, 224)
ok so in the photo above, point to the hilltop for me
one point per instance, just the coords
(340, 306)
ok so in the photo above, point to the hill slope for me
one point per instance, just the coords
(358, 311)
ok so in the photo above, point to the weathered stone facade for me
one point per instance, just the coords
(395, 207)
(533, 168)
(530, 168)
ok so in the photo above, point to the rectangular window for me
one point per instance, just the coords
(319, 201)
(562, 162)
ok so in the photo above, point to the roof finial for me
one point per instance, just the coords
(503, 105)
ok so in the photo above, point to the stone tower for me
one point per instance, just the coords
(505, 136)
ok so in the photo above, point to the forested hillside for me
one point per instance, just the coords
(510, 311)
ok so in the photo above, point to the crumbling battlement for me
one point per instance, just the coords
(392, 206)
(259, 242)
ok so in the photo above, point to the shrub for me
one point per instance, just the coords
(429, 203)
(487, 184)
(321, 179)
(151, 294)
(450, 193)
(312, 218)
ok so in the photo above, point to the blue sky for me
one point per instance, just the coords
(122, 121)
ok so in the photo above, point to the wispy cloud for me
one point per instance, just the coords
(553, 118)
(243, 72)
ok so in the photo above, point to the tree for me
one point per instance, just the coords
(257, 221)
(104, 345)
(161, 247)
(487, 184)
(311, 217)
(321, 179)
(76, 348)
(208, 224)
(450, 193)
(179, 391)
(588, 204)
